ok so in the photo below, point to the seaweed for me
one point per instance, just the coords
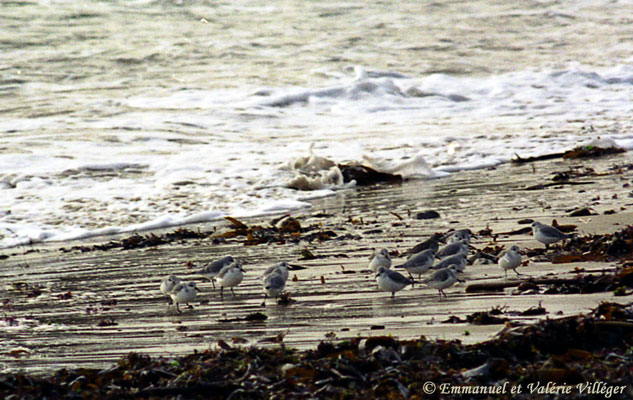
(280, 231)
(579, 152)
(598, 247)
(577, 350)
(365, 176)
(591, 152)
(138, 241)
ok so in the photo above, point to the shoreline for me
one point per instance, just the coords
(126, 310)
(349, 171)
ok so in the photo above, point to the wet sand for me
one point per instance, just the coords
(97, 306)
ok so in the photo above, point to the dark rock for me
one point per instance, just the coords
(582, 212)
(430, 214)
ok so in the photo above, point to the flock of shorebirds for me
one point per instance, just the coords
(443, 257)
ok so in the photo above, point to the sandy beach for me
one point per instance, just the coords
(69, 306)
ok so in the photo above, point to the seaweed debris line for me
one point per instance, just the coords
(576, 356)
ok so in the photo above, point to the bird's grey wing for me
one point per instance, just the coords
(445, 262)
(275, 281)
(399, 278)
(224, 270)
(440, 275)
(551, 231)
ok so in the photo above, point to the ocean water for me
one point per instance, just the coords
(131, 115)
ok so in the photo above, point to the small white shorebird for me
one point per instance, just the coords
(431, 243)
(212, 269)
(547, 234)
(458, 260)
(419, 263)
(391, 281)
(230, 276)
(510, 259)
(183, 293)
(442, 279)
(380, 258)
(460, 235)
(454, 248)
(273, 284)
(281, 269)
(167, 285)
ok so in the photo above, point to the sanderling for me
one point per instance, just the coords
(442, 279)
(391, 281)
(281, 269)
(380, 258)
(429, 244)
(183, 293)
(274, 283)
(510, 259)
(458, 236)
(547, 234)
(230, 276)
(451, 249)
(167, 285)
(212, 269)
(419, 263)
(458, 260)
